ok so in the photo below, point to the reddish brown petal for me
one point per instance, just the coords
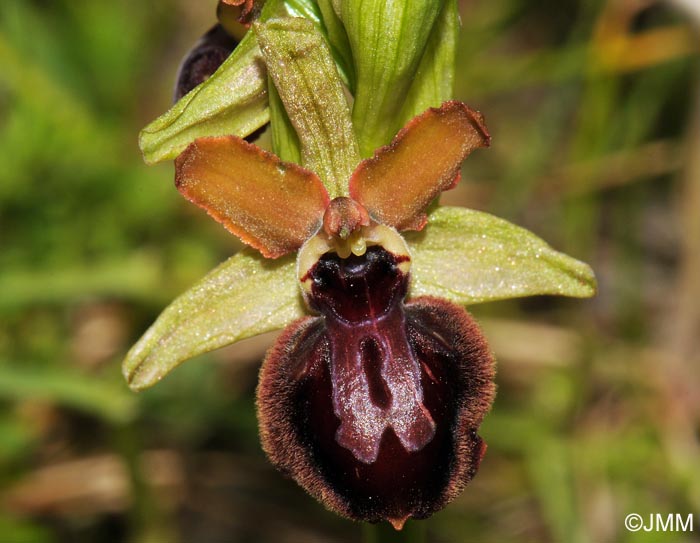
(398, 183)
(271, 205)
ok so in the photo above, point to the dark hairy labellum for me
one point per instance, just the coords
(373, 406)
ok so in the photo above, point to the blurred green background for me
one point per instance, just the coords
(594, 108)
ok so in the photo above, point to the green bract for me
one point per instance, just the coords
(232, 101)
(434, 78)
(395, 59)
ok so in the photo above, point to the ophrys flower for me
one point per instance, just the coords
(372, 406)
(372, 396)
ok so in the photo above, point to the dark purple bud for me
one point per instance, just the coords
(374, 406)
(203, 60)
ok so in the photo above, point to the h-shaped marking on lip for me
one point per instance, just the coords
(362, 422)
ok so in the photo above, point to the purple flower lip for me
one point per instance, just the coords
(373, 406)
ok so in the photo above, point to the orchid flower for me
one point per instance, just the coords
(372, 396)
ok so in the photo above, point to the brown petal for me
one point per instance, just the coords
(398, 183)
(271, 205)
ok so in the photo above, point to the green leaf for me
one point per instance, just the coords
(306, 78)
(434, 81)
(244, 296)
(388, 41)
(471, 257)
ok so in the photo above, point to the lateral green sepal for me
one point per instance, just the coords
(471, 257)
(245, 296)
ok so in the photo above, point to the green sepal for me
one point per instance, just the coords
(301, 65)
(245, 296)
(471, 257)
(388, 40)
(233, 101)
(434, 81)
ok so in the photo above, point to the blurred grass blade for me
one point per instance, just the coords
(549, 463)
(471, 257)
(245, 296)
(137, 277)
(305, 76)
(434, 81)
(65, 387)
(388, 40)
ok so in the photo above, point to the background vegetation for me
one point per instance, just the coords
(594, 108)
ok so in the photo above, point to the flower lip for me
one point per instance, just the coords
(301, 424)
(357, 290)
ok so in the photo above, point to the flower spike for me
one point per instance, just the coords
(271, 205)
(398, 183)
